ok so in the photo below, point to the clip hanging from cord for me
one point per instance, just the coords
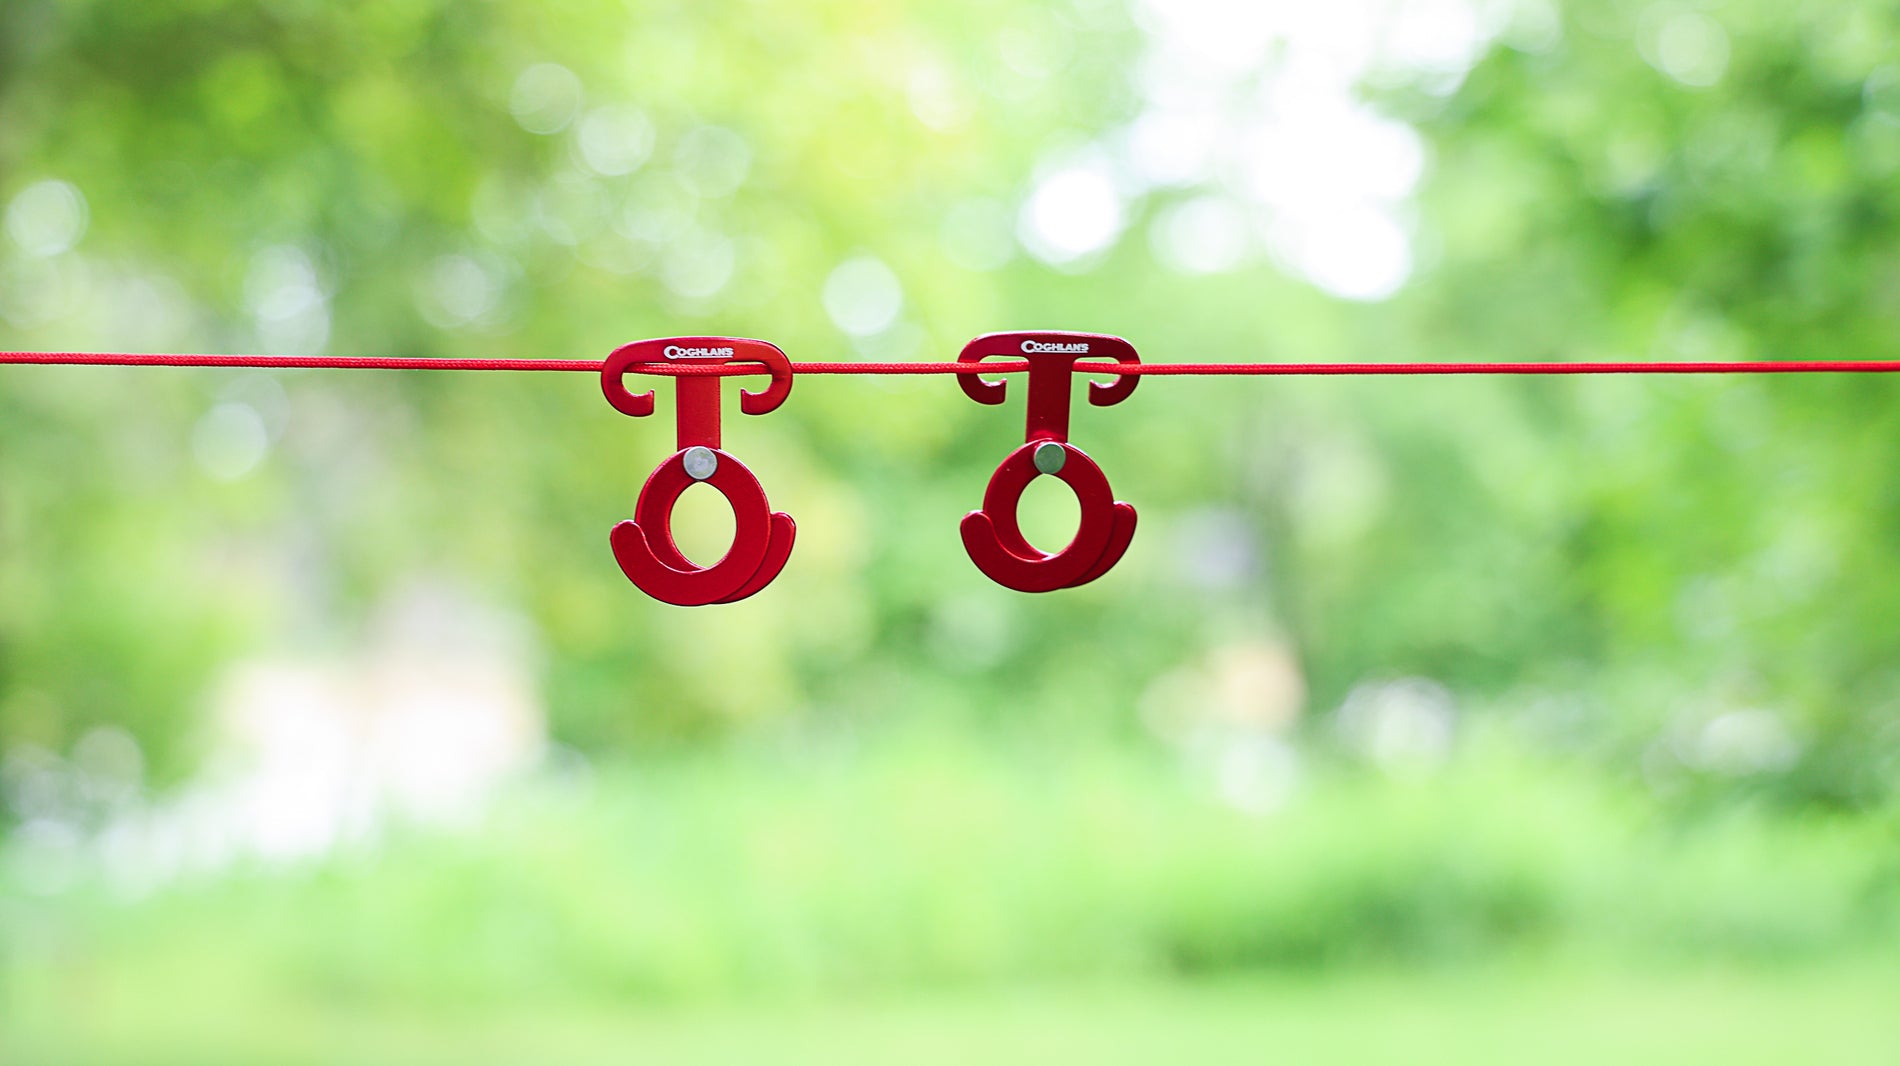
(761, 537)
(991, 534)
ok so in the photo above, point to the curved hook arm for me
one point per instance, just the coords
(776, 363)
(1104, 346)
(984, 347)
(613, 381)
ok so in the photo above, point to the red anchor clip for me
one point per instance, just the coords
(992, 536)
(761, 537)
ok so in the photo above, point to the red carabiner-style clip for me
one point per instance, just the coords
(991, 535)
(761, 537)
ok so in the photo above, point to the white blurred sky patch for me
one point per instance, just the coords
(1075, 211)
(1253, 113)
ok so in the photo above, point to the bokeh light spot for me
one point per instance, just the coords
(713, 161)
(1688, 46)
(1073, 212)
(546, 98)
(229, 441)
(615, 140)
(47, 218)
(976, 235)
(1206, 235)
(863, 296)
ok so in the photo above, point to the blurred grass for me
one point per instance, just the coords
(905, 889)
(1820, 1017)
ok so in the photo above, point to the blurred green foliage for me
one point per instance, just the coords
(374, 145)
(1650, 551)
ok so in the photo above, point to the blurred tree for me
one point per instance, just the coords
(1672, 182)
(1614, 180)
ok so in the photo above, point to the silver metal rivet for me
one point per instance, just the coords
(701, 462)
(1050, 456)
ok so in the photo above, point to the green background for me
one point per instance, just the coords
(1641, 806)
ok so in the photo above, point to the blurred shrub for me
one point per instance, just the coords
(744, 875)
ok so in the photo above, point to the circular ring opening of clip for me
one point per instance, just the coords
(1094, 500)
(751, 515)
(652, 559)
(703, 524)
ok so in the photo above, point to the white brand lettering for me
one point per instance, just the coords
(674, 351)
(1076, 348)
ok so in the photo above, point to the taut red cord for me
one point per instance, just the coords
(762, 538)
(999, 366)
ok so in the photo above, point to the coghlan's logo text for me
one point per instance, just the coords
(1073, 348)
(674, 351)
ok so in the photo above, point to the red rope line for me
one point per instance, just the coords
(293, 362)
(997, 366)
